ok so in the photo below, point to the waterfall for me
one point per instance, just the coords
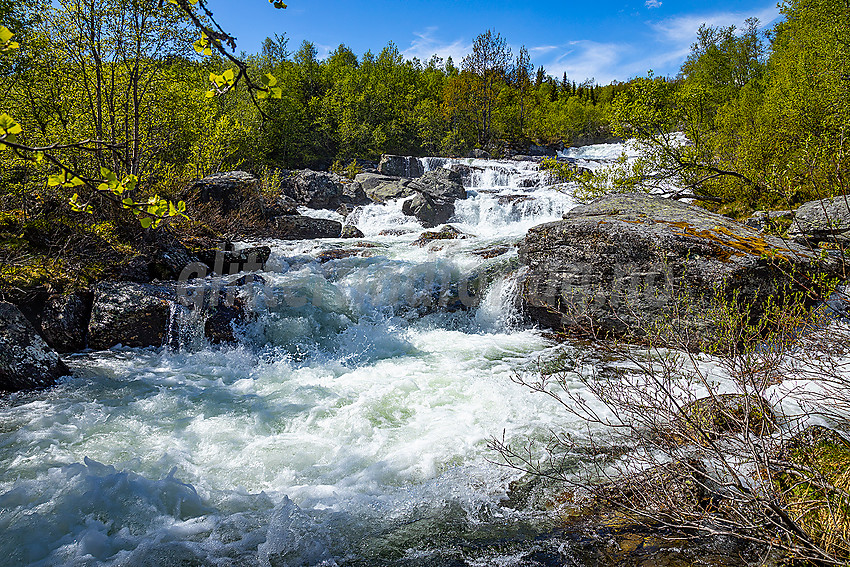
(348, 424)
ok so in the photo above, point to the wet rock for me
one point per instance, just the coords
(434, 198)
(400, 166)
(225, 260)
(339, 254)
(726, 414)
(383, 188)
(220, 321)
(395, 232)
(492, 252)
(314, 189)
(26, 361)
(826, 220)
(298, 227)
(351, 231)
(505, 200)
(448, 232)
(131, 314)
(228, 190)
(543, 151)
(620, 264)
(63, 322)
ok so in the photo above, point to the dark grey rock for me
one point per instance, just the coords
(620, 264)
(400, 166)
(298, 227)
(351, 231)
(314, 189)
(823, 220)
(224, 260)
(383, 188)
(478, 153)
(63, 322)
(228, 190)
(26, 361)
(131, 314)
(434, 198)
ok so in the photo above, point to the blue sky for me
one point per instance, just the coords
(594, 38)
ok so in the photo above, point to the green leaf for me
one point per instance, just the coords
(277, 4)
(56, 180)
(5, 34)
(228, 76)
(146, 222)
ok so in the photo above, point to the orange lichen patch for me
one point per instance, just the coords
(740, 245)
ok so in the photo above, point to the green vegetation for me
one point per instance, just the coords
(747, 126)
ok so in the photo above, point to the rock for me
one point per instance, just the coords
(492, 251)
(339, 254)
(131, 314)
(534, 150)
(620, 264)
(218, 327)
(64, 321)
(227, 190)
(383, 188)
(314, 189)
(478, 153)
(400, 166)
(511, 199)
(428, 212)
(351, 231)
(823, 220)
(298, 227)
(286, 205)
(770, 220)
(353, 195)
(434, 198)
(224, 260)
(726, 414)
(395, 232)
(442, 185)
(447, 232)
(26, 361)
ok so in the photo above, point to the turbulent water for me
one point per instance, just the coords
(349, 425)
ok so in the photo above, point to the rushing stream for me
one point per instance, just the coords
(349, 425)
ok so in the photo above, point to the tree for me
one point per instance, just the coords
(522, 81)
(488, 63)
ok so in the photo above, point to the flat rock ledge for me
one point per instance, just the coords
(626, 262)
(26, 362)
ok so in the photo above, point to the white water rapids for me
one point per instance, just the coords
(348, 428)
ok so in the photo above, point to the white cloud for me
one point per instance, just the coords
(683, 29)
(652, 4)
(425, 44)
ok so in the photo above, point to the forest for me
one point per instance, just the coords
(132, 100)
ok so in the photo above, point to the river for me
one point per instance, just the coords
(348, 426)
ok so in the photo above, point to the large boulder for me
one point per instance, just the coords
(298, 227)
(130, 314)
(435, 194)
(626, 262)
(226, 260)
(383, 188)
(227, 190)
(823, 220)
(26, 361)
(401, 166)
(314, 189)
(63, 321)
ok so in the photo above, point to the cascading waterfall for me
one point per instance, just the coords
(348, 426)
